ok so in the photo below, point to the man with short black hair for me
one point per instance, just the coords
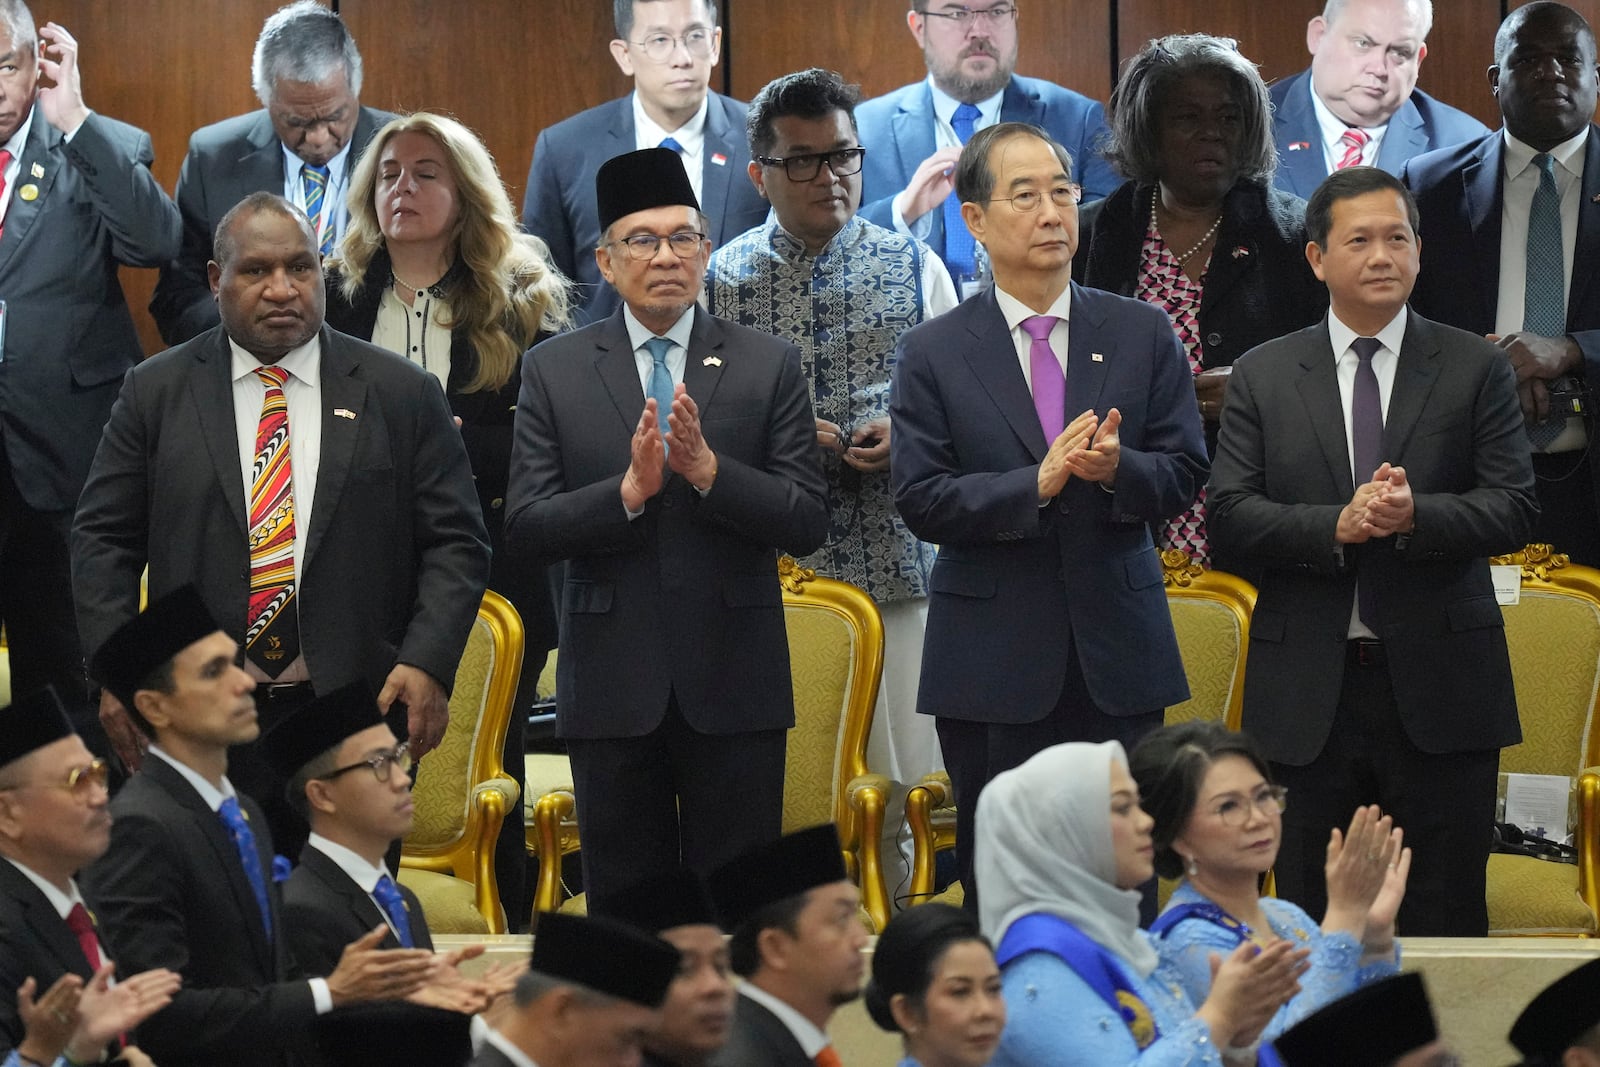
(668, 48)
(303, 143)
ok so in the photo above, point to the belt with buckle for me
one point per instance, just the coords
(1365, 652)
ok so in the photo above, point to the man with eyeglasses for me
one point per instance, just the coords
(1039, 431)
(843, 289)
(188, 880)
(667, 455)
(914, 134)
(54, 821)
(668, 48)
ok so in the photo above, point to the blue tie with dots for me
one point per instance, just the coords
(1544, 306)
(960, 250)
(660, 379)
(244, 842)
(387, 894)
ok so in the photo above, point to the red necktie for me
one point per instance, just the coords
(5, 161)
(1354, 141)
(828, 1058)
(82, 927)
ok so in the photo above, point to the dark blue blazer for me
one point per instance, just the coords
(1018, 587)
(1421, 125)
(559, 204)
(897, 131)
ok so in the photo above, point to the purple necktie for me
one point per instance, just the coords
(1366, 436)
(1049, 385)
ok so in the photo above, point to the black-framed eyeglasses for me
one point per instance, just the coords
(1269, 800)
(1060, 195)
(685, 244)
(660, 46)
(843, 162)
(80, 780)
(399, 757)
(966, 16)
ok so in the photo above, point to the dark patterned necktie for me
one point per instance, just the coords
(1366, 437)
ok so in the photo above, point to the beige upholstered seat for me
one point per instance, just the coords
(463, 793)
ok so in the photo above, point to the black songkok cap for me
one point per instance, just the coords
(1557, 1017)
(606, 956)
(319, 725)
(1376, 1024)
(639, 181)
(150, 640)
(32, 722)
(776, 871)
(660, 902)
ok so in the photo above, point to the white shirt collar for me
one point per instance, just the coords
(812, 1040)
(304, 364)
(1331, 125)
(510, 1051)
(1015, 310)
(639, 333)
(60, 901)
(944, 106)
(1568, 154)
(1341, 336)
(336, 166)
(690, 136)
(207, 791)
(19, 139)
(357, 869)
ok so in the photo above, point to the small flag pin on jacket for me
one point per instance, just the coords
(712, 361)
(344, 413)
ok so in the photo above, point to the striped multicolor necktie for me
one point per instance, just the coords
(1354, 141)
(314, 183)
(272, 626)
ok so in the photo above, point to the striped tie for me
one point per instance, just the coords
(314, 182)
(1354, 141)
(272, 627)
(1544, 301)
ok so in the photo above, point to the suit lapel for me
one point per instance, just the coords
(622, 136)
(1406, 137)
(47, 928)
(1324, 408)
(343, 389)
(1020, 105)
(361, 907)
(1302, 159)
(211, 391)
(1086, 374)
(262, 167)
(1586, 256)
(993, 361)
(1414, 376)
(1480, 181)
(42, 152)
(701, 377)
(1241, 220)
(618, 370)
(716, 178)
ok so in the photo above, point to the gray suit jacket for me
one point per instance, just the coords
(396, 560)
(759, 1039)
(78, 211)
(227, 161)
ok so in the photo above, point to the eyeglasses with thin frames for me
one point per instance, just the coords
(400, 757)
(660, 46)
(80, 780)
(843, 162)
(1269, 800)
(685, 244)
(1030, 200)
(964, 17)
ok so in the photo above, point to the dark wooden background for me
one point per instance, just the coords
(508, 68)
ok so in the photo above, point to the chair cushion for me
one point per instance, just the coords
(1208, 639)
(1554, 641)
(544, 772)
(820, 666)
(578, 905)
(449, 903)
(1533, 896)
(445, 783)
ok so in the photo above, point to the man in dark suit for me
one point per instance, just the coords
(303, 143)
(796, 941)
(187, 881)
(674, 660)
(384, 577)
(668, 48)
(914, 134)
(1359, 104)
(76, 200)
(1515, 255)
(1038, 464)
(53, 822)
(1365, 469)
(592, 990)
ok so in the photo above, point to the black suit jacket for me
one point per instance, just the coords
(323, 911)
(34, 943)
(1282, 475)
(396, 560)
(758, 1038)
(227, 161)
(173, 894)
(684, 599)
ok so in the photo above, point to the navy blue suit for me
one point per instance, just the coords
(1421, 125)
(897, 131)
(1054, 617)
(559, 204)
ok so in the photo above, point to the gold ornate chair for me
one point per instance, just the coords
(549, 811)
(1554, 638)
(1211, 615)
(463, 793)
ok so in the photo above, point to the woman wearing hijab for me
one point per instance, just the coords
(1218, 820)
(1062, 846)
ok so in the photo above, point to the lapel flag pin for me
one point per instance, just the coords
(1595, 199)
(1097, 358)
(719, 159)
(712, 361)
(344, 413)
(29, 192)
(1299, 146)
(36, 170)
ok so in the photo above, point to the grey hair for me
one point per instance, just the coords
(974, 178)
(1424, 9)
(303, 42)
(17, 21)
(1148, 80)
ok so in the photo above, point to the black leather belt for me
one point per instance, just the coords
(1364, 652)
(283, 695)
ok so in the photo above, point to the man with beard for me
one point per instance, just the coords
(914, 134)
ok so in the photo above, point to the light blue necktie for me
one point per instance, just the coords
(244, 842)
(660, 379)
(1544, 302)
(960, 249)
(672, 143)
(314, 182)
(387, 894)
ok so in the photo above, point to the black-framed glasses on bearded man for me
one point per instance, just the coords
(962, 17)
(399, 756)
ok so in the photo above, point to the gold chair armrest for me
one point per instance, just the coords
(869, 798)
(1588, 839)
(549, 812)
(493, 799)
(933, 793)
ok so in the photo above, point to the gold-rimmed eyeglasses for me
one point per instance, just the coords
(660, 46)
(80, 780)
(1269, 800)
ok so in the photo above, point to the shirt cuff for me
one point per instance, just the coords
(922, 229)
(321, 996)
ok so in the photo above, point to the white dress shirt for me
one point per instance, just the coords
(691, 137)
(811, 1040)
(357, 869)
(944, 136)
(677, 355)
(334, 212)
(1333, 127)
(510, 1051)
(1015, 311)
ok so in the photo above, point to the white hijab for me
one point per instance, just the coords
(1044, 845)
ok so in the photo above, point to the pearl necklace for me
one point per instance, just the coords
(435, 290)
(1198, 245)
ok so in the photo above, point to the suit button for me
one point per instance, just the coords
(1213, 339)
(497, 503)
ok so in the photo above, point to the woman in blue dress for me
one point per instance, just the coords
(934, 981)
(1062, 845)
(1218, 821)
